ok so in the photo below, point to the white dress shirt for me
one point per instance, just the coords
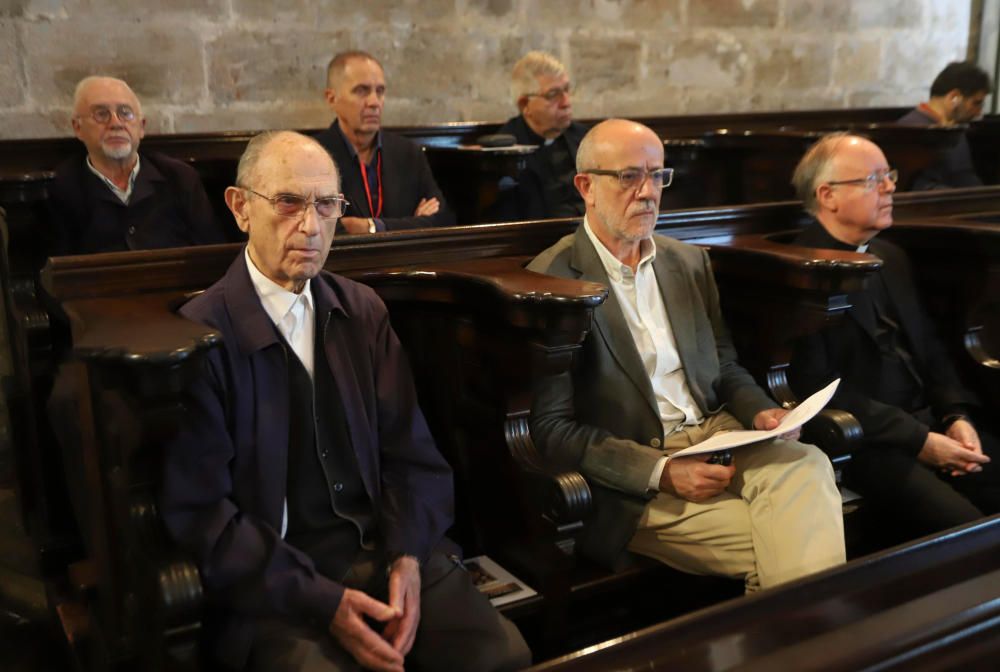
(295, 317)
(638, 294)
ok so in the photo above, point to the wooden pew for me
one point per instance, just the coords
(467, 316)
(477, 332)
(756, 165)
(32, 155)
(468, 179)
(933, 604)
(957, 267)
(984, 142)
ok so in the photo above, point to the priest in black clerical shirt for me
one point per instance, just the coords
(925, 459)
(541, 89)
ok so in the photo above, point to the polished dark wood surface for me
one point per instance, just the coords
(930, 605)
(26, 156)
(714, 163)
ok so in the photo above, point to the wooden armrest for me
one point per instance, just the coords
(563, 497)
(977, 349)
(836, 432)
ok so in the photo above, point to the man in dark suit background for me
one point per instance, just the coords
(957, 97)
(659, 373)
(116, 197)
(922, 462)
(305, 480)
(540, 87)
(387, 180)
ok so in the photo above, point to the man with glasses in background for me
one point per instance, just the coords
(957, 97)
(305, 480)
(386, 176)
(541, 90)
(925, 459)
(116, 197)
(659, 373)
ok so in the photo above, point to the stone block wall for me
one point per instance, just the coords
(209, 65)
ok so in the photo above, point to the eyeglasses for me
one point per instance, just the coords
(633, 178)
(291, 205)
(872, 181)
(102, 114)
(552, 94)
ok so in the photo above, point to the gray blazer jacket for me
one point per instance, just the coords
(601, 418)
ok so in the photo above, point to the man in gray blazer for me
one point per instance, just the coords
(659, 373)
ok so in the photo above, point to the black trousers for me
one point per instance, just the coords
(917, 498)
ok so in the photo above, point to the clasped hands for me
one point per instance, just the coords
(957, 451)
(383, 652)
(693, 479)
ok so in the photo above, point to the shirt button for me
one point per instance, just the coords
(324, 453)
(337, 487)
(654, 442)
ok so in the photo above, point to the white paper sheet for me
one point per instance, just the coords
(797, 417)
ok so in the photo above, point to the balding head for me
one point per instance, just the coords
(96, 85)
(620, 215)
(607, 137)
(277, 169)
(844, 182)
(285, 144)
(815, 167)
(356, 94)
(116, 139)
(336, 68)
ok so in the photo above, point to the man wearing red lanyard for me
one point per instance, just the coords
(386, 178)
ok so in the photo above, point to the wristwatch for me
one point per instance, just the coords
(371, 225)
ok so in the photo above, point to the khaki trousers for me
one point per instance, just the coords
(779, 519)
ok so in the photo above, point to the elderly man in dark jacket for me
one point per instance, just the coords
(306, 481)
(117, 197)
(923, 461)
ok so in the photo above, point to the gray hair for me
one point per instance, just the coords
(815, 166)
(247, 168)
(82, 85)
(533, 64)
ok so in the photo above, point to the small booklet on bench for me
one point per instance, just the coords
(495, 582)
(797, 417)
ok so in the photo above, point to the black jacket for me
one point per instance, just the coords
(406, 178)
(545, 187)
(168, 208)
(849, 351)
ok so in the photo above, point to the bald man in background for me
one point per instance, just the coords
(117, 197)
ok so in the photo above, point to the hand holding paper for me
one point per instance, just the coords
(795, 418)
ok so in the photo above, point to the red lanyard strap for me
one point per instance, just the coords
(378, 179)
